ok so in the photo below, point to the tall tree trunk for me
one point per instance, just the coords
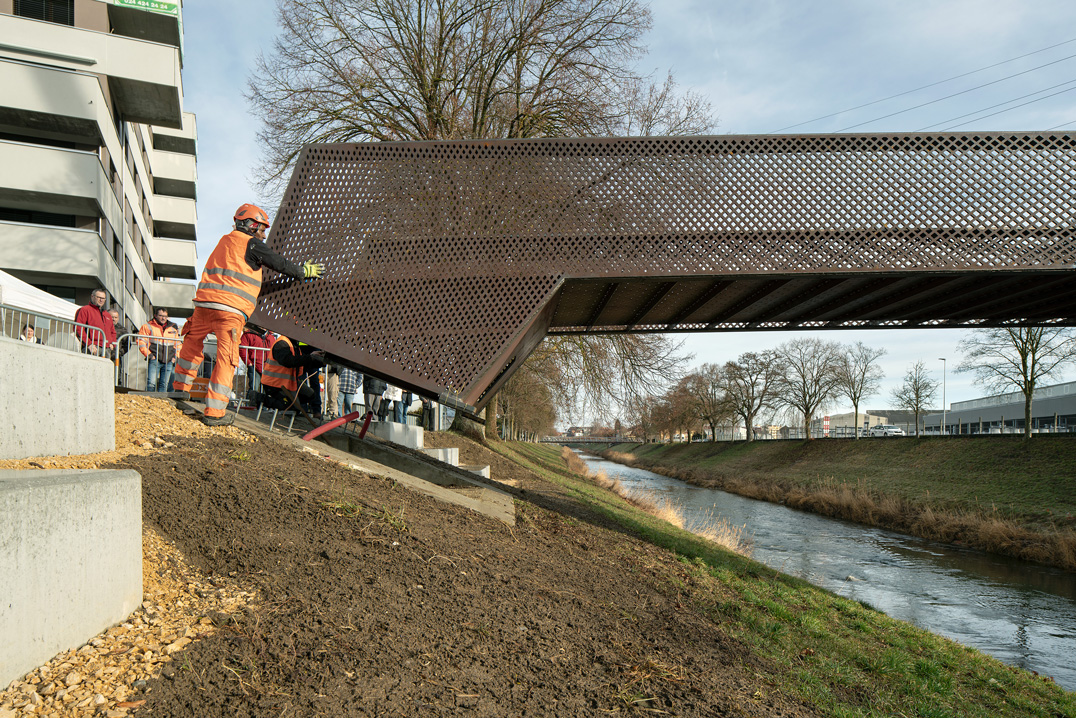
(855, 420)
(1027, 414)
(465, 426)
(491, 420)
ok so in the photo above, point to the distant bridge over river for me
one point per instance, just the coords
(448, 262)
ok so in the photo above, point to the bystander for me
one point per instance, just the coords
(27, 335)
(350, 383)
(159, 341)
(95, 315)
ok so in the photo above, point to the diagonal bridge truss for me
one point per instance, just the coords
(448, 262)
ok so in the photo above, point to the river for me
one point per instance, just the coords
(1020, 613)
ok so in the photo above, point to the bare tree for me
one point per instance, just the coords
(361, 70)
(1020, 357)
(751, 385)
(859, 376)
(355, 70)
(712, 404)
(594, 375)
(808, 378)
(917, 391)
(527, 407)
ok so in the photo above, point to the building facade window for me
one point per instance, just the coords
(58, 11)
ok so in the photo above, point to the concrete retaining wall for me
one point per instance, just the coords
(70, 560)
(54, 402)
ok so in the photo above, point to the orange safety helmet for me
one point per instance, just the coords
(249, 214)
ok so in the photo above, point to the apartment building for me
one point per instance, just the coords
(97, 156)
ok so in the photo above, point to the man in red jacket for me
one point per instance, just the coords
(94, 314)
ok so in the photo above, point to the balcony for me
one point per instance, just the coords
(183, 140)
(58, 255)
(57, 103)
(174, 257)
(177, 298)
(143, 77)
(146, 25)
(174, 174)
(174, 216)
(51, 179)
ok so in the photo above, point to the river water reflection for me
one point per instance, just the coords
(1022, 614)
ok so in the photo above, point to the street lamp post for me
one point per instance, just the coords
(942, 360)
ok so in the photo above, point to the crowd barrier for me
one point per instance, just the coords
(48, 330)
(132, 370)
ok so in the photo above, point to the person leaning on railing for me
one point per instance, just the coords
(160, 350)
(94, 314)
(225, 299)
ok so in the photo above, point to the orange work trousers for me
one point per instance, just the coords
(228, 326)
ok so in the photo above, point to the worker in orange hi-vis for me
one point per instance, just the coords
(226, 297)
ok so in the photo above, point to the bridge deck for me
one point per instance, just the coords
(449, 261)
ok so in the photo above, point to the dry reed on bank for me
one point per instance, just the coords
(981, 529)
(714, 529)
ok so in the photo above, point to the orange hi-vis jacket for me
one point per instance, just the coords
(278, 375)
(163, 351)
(227, 278)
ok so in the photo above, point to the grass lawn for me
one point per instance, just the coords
(845, 658)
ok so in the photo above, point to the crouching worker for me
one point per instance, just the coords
(226, 297)
(284, 370)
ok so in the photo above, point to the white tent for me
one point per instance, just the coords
(17, 293)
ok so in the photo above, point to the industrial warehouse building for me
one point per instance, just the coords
(97, 156)
(1053, 408)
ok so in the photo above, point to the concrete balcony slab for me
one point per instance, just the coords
(52, 179)
(174, 216)
(176, 297)
(174, 257)
(144, 77)
(45, 255)
(184, 139)
(174, 173)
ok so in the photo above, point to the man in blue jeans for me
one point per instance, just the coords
(158, 341)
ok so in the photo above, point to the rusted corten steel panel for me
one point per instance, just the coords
(447, 262)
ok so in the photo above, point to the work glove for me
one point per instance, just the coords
(312, 269)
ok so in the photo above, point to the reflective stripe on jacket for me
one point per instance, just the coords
(162, 351)
(278, 375)
(227, 278)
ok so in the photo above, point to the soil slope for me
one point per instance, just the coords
(372, 600)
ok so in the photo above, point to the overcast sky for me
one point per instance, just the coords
(766, 66)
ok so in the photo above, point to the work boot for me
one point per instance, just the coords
(225, 420)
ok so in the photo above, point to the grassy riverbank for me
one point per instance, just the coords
(835, 654)
(1000, 494)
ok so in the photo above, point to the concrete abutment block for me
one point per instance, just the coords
(70, 560)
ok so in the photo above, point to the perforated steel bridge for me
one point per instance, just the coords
(447, 262)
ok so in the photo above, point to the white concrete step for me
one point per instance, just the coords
(402, 434)
(450, 456)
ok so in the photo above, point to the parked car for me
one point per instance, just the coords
(886, 430)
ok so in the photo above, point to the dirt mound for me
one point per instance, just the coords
(377, 601)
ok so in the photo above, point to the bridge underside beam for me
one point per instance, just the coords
(448, 262)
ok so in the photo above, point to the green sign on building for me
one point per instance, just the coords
(166, 8)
